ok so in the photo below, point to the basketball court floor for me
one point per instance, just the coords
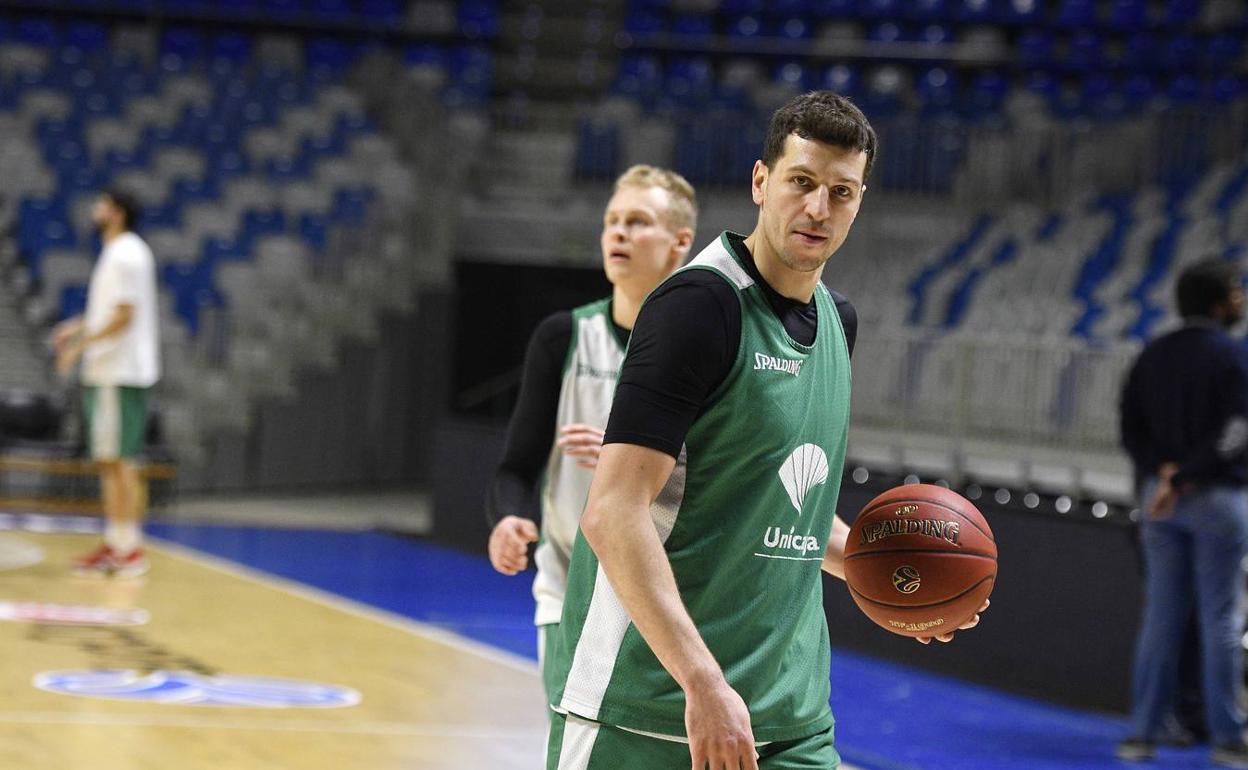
(261, 647)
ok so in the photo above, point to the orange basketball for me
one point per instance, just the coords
(920, 560)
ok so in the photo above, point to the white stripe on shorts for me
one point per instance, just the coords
(106, 423)
(579, 736)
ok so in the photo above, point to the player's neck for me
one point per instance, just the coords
(787, 282)
(625, 306)
(109, 234)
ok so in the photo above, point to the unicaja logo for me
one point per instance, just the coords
(805, 468)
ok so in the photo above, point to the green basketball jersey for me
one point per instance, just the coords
(744, 520)
(589, 374)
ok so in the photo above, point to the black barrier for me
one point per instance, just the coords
(1063, 617)
(1064, 611)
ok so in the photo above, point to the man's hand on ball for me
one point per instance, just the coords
(974, 621)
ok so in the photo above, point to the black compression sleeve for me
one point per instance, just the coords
(531, 431)
(682, 348)
(849, 319)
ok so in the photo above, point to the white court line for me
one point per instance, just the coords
(353, 607)
(467, 732)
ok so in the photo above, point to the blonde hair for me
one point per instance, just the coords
(682, 201)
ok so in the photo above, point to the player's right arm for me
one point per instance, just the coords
(530, 434)
(618, 526)
(66, 331)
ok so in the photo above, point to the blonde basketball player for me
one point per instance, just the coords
(570, 370)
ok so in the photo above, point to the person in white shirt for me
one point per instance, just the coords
(118, 341)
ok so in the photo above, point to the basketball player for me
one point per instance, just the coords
(569, 376)
(118, 341)
(690, 637)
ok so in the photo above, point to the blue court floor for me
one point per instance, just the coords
(888, 717)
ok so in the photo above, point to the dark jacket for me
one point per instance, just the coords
(1186, 401)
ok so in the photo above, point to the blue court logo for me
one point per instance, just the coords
(182, 688)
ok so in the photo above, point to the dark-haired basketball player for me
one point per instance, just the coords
(689, 638)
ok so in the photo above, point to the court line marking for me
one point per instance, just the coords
(199, 723)
(351, 607)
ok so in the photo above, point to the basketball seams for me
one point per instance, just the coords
(937, 503)
(930, 605)
(936, 551)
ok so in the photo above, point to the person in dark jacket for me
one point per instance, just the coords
(1184, 416)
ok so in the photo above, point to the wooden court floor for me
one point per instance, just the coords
(427, 699)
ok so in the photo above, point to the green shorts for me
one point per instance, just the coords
(546, 637)
(115, 420)
(578, 744)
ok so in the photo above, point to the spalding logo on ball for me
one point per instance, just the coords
(920, 560)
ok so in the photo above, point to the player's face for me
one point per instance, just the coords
(638, 248)
(809, 200)
(104, 212)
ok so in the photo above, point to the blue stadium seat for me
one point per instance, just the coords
(1179, 13)
(986, 96)
(73, 302)
(283, 9)
(223, 165)
(975, 11)
(38, 32)
(695, 26)
(793, 28)
(936, 90)
(835, 9)
(791, 8)
(168, 214)
(217, 249)
(690, 79)
(478, 19)
(1042, 84)
(351, 206)
(329, 53)
(382, 13)
(925, 10)
(841, 79)
(424, 55)
(86, 36)
(1180, 54)
(1138, 91)
(258, 223)
(935, 34)
(746, 27)
(185, 43)
(186, 190)
(1128, 15)
(1084, 51)
(231, 46)
(742, 7)
(1227, 89)
(1139, 52)
(880, 10)
(1022, 12)
(795, 74)
(331, 10)
(643, 24)
(314, 228)
(1035, 48)
(1076, 14)
(1185, 89)
(1222, 51)
(1098, 97)
(886, 32)
(597, 150)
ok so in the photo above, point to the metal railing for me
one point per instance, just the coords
(1037, 393)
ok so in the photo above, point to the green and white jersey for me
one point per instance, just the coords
(744, 520)
(589, 374)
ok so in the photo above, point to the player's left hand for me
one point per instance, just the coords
(949, 636)
(583, 442)
(66, 359)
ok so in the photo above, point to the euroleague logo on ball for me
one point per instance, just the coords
(906, 579)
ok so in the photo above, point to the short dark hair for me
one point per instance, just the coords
(825, 117)
(128, 204)
(1205, 285)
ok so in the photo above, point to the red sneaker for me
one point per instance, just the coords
(98, 563)
(131, 565)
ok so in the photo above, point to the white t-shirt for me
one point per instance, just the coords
(124, 275)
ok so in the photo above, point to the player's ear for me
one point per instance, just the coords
(680, 249)
(758, 179)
